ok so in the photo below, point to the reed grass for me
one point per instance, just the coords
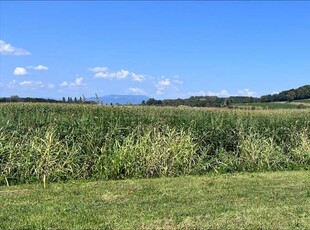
(46, 142)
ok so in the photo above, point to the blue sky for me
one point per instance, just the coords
(160, 49)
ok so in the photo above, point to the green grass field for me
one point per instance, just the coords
(307, 101)
(297, 104)
(273, 105)
(273, 200)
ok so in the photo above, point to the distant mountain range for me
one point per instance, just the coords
(120, 99)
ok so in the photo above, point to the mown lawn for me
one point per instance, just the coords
(277, 200)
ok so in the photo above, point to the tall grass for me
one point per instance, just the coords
(44, 142)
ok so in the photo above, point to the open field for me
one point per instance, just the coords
(276, 105)
(296, 104)
(305, 101)
(44, 142)
(273, 200)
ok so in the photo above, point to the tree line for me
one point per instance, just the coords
(69, 100)
(202, 101)
(300, 93)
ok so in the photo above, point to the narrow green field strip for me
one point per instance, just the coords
(276, 200)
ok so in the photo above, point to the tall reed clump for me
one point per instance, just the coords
(299, 153)
(259, 153)
(27, 158)
(149, 152)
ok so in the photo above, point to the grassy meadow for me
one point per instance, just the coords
(48, 143)
(272, 200)
(298, 104)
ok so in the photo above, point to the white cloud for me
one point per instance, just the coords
(25, 83)
(38, 67)
(20, 71)
(122, 74)
(8, 49)
(136, 90)
(246, 92)
(98, 69)
(64, 83)
(223, 93)
(177, 81)
(137, 77)
(51, 86)
(101, 75)
(198, 93)
(78, 82)
(167, 83)
(34, 84)
(103, 72)
(164, 83)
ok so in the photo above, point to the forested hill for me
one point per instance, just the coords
(302, 92)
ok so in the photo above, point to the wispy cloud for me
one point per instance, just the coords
(38, 67)
(32, 84)
(223, 93)
(98, 69)
(8, 49)
(12, 84)
(136, 90)
(164, 83)
(246, 92)
(176, 80)
(137, 77)
(103, 72)
(25, 83)
(167, 83)
(64, 83)
(50, 86)
(20, 71)
(78, 82)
